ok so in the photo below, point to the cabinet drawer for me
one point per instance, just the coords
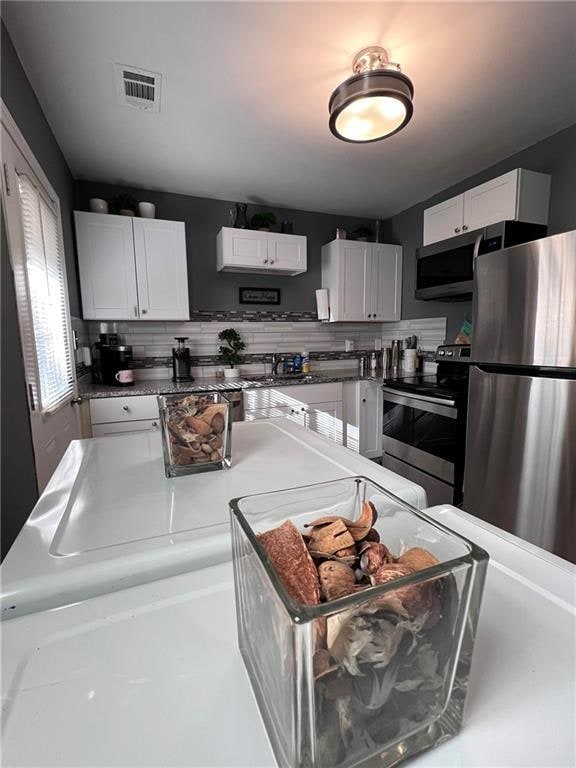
(133, 408)
(124, 427)
(292, 395)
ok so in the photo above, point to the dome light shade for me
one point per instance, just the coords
(375, 102)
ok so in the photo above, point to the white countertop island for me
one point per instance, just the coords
(150, 674)
(110, 519)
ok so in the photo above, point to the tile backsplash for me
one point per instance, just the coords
(152, 342)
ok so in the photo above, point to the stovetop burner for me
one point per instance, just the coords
(450, 382)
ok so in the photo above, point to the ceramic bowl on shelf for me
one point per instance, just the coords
(97, 205)
(147, 210)
(376, 675)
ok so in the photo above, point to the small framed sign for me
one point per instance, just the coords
(259, 296)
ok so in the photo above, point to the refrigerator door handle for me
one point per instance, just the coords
(476, 250)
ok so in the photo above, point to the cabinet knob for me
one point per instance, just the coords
(125, 408)
(271, 261)
(265, 261)
(363, 399)
(154, 424)
(457, 229)
(464, 227)
(144, 311)
(76, 401)
(302, 409)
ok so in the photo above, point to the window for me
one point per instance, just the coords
(51, 378)
(37, 256)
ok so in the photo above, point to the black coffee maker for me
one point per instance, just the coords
(109, 357)
(181, 361)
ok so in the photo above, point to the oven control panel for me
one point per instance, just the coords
(455, 353)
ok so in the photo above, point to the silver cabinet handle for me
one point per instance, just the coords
(464, 227)
(457, 229)
(125, 408)
(476, 251)
(135, 311)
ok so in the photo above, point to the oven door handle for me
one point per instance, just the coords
(403, 398)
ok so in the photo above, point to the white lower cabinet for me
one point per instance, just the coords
(120, 415)
(363, 417)
(315, 406)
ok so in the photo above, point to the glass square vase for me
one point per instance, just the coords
(196, 432)
(356, 681)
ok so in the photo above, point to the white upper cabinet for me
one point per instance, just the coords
(364, 281)
(106, 266)
(161, 270)
(130, 268)
(245, 250)
(519, 195)
(444, 220)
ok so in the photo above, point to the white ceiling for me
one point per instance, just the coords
(246, 87)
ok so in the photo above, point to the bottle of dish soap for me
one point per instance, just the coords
(305, 362)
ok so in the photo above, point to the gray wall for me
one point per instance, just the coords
(18, 473)
(555, 155)
(204, 217)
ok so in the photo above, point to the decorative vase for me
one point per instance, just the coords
(231, 373)
(97, 205)
(287, 227)
(241, 221)
(147, 210)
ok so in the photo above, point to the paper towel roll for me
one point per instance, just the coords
(322, 306)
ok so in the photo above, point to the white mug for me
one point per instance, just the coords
(125, 377)
(97, 205)
(147, 210)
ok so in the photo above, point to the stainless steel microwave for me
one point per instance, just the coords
(445, 270)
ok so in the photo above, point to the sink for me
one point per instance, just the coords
(284, 379)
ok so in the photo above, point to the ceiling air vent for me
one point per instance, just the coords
(138, 88)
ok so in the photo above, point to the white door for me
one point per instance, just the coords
(385, 283)
(491, 202)
(33, 224)
(370, 418)
(444, 220)
(161, 269)
(326, 420)
(287, 253)
(244, 248)
(106, 266)
(353, 266)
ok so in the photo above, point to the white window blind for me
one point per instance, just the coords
(52, 376)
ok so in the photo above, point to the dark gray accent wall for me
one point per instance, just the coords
(555, 155)
(204, 218)
(19, 492)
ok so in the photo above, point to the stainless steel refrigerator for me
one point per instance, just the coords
(521, 432)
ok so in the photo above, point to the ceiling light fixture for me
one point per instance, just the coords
(375, 102)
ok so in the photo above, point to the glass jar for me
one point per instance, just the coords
(356, 680)
(196, 432)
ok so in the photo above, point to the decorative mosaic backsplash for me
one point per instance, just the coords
(152, 342)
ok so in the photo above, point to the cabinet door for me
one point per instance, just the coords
(242, 248)
(384, 287)
(287, 253)
(354, 278)
(444, 220)
(370, 419)
(106, 266)
(491, 202)
(161, 269)
(326, 420)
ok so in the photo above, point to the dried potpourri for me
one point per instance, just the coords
(379, 666)
(195, 425)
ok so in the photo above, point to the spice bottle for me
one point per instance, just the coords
(305, 362)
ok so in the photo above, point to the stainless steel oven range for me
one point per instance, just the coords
(424, 425)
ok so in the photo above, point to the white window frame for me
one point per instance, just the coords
(17, 255)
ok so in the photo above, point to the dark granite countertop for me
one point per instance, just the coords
(211, 384)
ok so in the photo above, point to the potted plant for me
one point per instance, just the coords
(123, 204)
(263, 221)
(229, 351)
(363, 234)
